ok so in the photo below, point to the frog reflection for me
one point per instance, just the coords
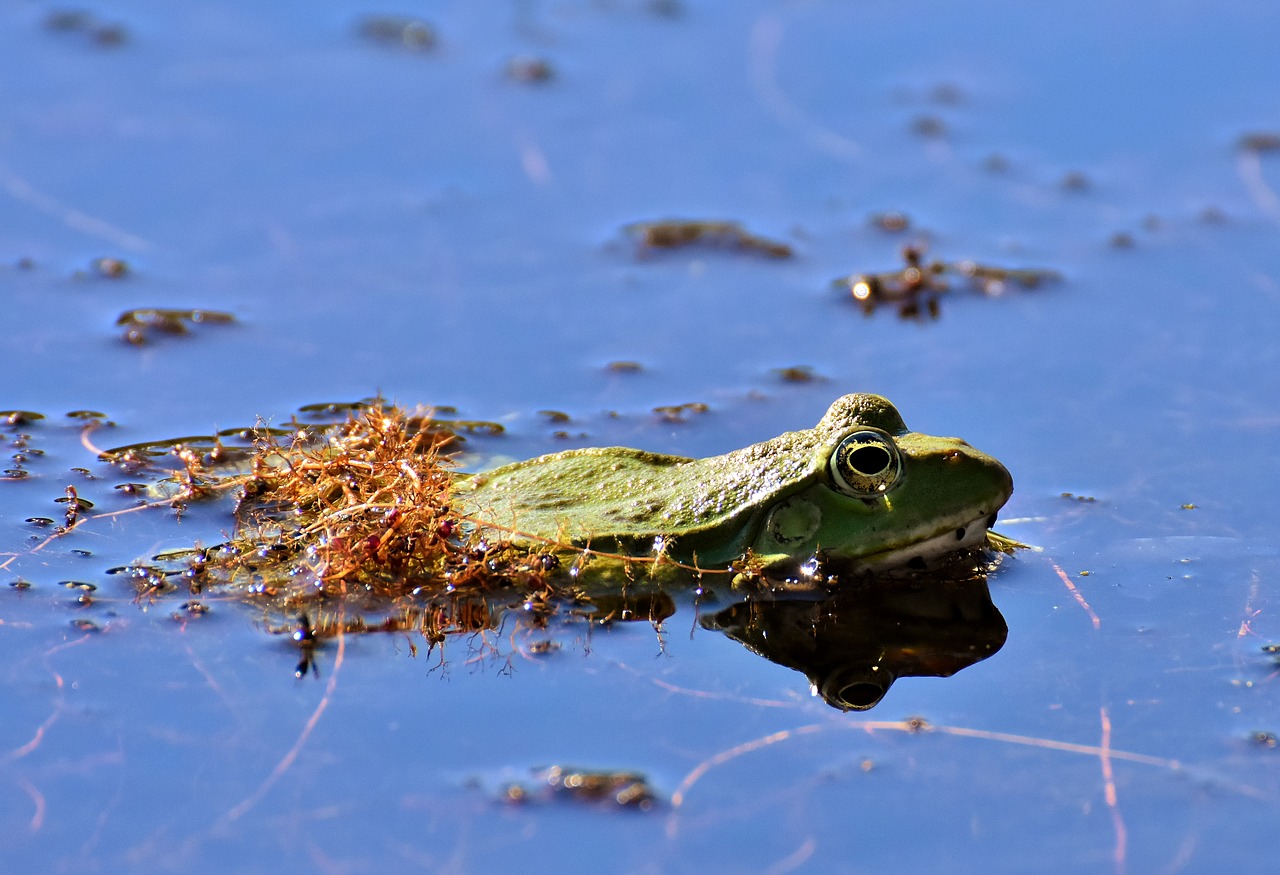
(855, 643)
(852, 642)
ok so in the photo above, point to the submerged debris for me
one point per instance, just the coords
(917, 287)
(139, 325)
(676, 233)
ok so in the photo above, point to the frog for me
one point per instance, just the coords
(859, 490)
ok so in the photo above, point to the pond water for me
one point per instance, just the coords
(430, 223)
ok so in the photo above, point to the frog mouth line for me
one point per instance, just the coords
(918, 555)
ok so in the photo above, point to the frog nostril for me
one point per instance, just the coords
(960, 534)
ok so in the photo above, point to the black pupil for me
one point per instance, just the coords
(862, 695)
(869, 460)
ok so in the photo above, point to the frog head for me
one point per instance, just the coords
(883, 495)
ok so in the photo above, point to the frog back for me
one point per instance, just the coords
(621, 498)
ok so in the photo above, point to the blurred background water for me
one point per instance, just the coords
(424, 224)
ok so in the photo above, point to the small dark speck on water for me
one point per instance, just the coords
(996, 163)
(1260, 141)
(894, 222)
(78, 21)
(929, 126)
(111, 268)
(1075, 181)
(398, 31)
(947, 94)
(530, 70)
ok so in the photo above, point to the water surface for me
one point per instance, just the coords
(419, 224)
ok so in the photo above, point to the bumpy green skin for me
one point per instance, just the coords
(776, 498)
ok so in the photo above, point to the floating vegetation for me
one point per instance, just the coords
(75, 505)
(111, 268)
(893, 222)
(797, 374)
(398, 31)
(677, 233)
(531, 70)
(357, 515)
(603, 788)
(19, 417)
(141, 325)
(917, 287)
(77, 21)
(680, 412)
(624, 367)
(1260, 141)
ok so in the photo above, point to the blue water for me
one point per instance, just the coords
(419, 225)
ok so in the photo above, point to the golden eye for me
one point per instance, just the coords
(866, 464)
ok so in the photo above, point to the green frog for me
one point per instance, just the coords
(858, 489)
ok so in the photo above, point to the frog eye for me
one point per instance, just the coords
(866, 464)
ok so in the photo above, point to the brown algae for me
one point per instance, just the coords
(359, 516)
(719, 234)
(140, 325)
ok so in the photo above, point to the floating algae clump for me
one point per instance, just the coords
(367, 511)
(355, 525)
